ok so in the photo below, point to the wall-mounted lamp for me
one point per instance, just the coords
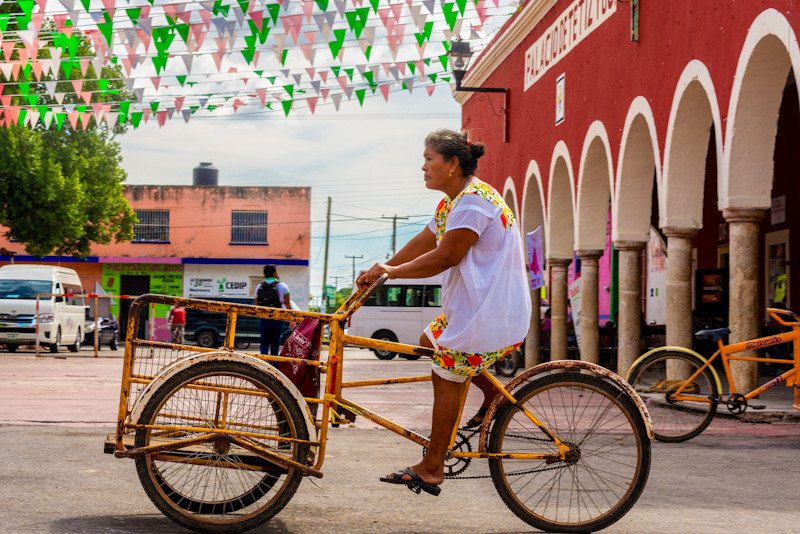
(460, 53)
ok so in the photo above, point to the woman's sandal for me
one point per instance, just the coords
(415, 484)
(474, 422)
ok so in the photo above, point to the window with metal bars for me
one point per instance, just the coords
(248, 227)
(153, 226)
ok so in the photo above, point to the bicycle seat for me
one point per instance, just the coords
(712, 334)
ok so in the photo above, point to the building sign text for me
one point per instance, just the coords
(580, 19)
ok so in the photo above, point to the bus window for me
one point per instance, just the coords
(433, 296)
(393, 295)
(378, 298)
(413, 296)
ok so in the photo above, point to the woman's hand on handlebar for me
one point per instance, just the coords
(367, 278)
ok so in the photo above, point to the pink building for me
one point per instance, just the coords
(199, 241)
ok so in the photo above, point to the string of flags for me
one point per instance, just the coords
(132, 61)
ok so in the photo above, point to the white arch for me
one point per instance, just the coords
(694, 111)
(639, 156)
(747, 166)
(508, 188)
(560, 204)
(595, 183)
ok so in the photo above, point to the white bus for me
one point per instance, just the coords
(399, 311)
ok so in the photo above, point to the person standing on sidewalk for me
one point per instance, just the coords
(177, 323)
(274, 294)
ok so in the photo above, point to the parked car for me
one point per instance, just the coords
(109, 332)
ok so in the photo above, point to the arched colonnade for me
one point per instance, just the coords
(572, 204)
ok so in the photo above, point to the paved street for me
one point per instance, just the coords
(55, 413)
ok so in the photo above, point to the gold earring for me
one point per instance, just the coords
(450, 175)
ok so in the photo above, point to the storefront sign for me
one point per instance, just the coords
(218, 286)
(580, 19)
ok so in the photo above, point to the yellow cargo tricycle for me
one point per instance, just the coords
(222, 439)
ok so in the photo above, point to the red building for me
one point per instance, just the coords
(678, 116)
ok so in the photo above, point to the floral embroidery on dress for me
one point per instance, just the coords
(463, 363)
(482, 190)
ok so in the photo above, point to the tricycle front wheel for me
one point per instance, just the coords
(218, 486)
(605, 470)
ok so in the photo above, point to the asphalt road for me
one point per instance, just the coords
(54, 477)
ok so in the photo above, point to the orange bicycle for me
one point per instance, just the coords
(682, 389)
(222, 439)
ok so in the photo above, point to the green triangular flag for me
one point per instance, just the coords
(107, 29)
(136, 118)
(336, 45)
(134, 14)
(450, 15)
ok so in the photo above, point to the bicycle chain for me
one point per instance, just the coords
(517, 473)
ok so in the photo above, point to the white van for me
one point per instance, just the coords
(60, 319)
(399, 311)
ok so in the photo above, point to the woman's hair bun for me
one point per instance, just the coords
(477, 149)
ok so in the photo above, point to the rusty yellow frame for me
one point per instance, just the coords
(330, 401)
(790, 377)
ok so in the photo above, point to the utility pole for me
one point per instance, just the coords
(394, 231)
(336, 282)
(354, 266)
(324, 301)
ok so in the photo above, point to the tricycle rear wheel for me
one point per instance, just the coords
(217, 486)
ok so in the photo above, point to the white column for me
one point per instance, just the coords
(679, 285)
(629, 322)
(590, 329)
(743, 283)
(558, 308)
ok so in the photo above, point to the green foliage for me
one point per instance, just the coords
(62, 191)
(341, 296)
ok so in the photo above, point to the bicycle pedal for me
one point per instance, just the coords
(754, 407)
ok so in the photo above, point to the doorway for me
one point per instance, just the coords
(134, 285)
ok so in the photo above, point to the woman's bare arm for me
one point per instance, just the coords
(452, 248)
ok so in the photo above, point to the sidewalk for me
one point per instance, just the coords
(78, 388)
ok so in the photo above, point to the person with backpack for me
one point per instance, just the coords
(274, 294)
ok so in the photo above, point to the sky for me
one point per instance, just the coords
(367, 158)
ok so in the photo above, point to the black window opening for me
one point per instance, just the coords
(249, 227)
(153, 226)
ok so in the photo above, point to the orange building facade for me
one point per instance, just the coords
(198, 241)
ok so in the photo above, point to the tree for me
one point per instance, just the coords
(61, 188)
(341, 296)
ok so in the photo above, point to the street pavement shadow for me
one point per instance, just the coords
(142, 524)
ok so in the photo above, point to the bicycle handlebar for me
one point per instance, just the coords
(776, 312)
(357, 298)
